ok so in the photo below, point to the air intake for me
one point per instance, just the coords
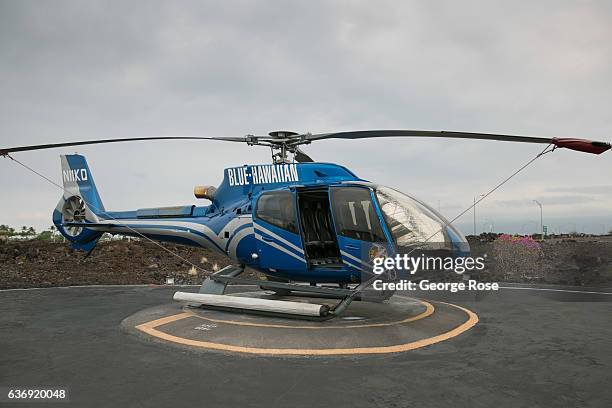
(207, 192)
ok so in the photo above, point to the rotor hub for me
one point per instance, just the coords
(283, 134)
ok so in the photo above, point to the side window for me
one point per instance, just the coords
(278, 209)
(354, 214)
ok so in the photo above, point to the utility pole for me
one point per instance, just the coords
(541, 219)
(474, 207)
(488, 224)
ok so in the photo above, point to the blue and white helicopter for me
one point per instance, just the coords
(305, 225)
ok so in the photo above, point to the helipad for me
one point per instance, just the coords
(398, 325)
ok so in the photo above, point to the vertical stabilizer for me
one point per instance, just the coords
(80, 203)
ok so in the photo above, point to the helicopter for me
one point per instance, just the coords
(311, 228)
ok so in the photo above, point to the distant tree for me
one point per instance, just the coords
(45, 236)
(7, 231)
(27, 231)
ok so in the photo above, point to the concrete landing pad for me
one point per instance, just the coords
(398, 325)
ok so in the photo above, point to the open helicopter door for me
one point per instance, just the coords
(358, 226)
(279, 244)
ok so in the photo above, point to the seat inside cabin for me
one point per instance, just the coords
(320, 243)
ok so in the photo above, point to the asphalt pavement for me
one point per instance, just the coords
(530, 348)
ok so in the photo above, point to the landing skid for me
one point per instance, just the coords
(212, 295)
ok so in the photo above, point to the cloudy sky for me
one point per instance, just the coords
(76, 70)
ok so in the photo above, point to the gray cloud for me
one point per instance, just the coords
(601, 189)
(83, 70)
(551, 200)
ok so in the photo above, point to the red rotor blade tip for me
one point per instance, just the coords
(582, 145)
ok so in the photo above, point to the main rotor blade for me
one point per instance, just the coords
(6, 151)
(582, 145)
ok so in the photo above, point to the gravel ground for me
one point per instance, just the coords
(582, 261)
(43, 264)
(23, 264)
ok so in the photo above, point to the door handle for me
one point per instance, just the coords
(266, 238)
(351, 246)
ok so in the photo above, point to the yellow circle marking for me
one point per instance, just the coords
(429, 309)
(150, 328)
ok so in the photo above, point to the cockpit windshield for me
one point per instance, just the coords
(412, 223)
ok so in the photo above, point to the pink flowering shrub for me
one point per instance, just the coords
(517, 257)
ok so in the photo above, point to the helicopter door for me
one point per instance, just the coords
(279, 244)
(358, 227)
